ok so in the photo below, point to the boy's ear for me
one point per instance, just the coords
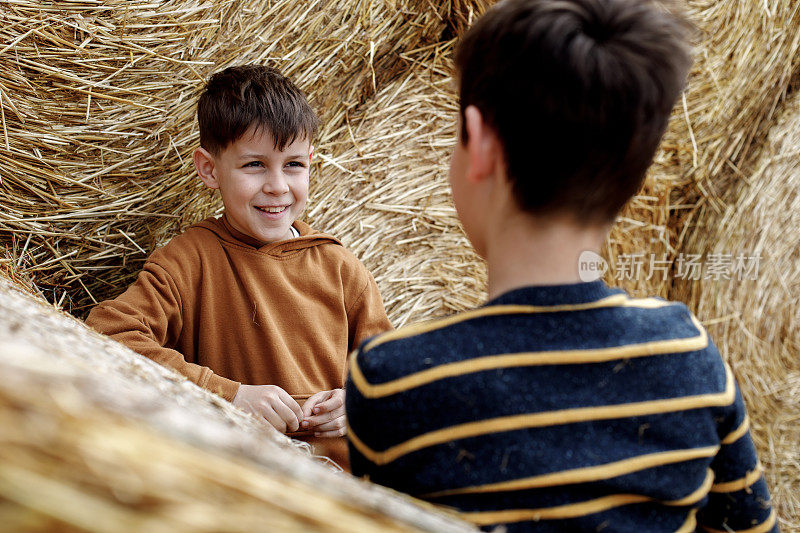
(204, 164)
(482, 145)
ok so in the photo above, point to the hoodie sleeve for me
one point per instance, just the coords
(365, 313)
(147, 318)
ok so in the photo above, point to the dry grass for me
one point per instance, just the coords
(387, 175)
(737, 144)
(98, 103)
(756, 322)
(9, 271)
(83, 419)
(97, 132)
(746, 54)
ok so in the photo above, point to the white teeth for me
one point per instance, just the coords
(271, 209)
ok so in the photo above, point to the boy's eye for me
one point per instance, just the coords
(297, 164)
(253, 164)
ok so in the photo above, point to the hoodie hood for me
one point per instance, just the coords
(309, 237)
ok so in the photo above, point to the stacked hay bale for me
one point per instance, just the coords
(738, 143)
(387, 175)
(756, 317)
(746, 54)
(98, 103)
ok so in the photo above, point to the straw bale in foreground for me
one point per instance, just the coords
(96, 438)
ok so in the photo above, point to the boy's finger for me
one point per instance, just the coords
(334, 402)
(313, 421)
(292, 404)
(288, 415)
(312, 401)
(336, 423)
(274, 419)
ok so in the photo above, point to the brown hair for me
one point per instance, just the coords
(579, 93)
(238, 97)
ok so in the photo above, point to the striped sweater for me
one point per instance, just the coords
(563, 408)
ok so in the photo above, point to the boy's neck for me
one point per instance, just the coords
(523, 250)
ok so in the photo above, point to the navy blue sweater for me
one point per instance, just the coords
(571, 407)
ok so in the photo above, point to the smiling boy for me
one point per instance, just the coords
(264, 209)
(255, 305)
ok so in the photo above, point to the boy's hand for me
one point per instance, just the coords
(272, 403)
(323, 413)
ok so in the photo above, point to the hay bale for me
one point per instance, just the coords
(746, 54)
(745, 60)
(94, 437)
(387, 175)
(755, 320)
(716, 186)
(733, 158)
(98, 102)
(83, 192)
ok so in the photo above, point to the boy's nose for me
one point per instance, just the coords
(276, 184)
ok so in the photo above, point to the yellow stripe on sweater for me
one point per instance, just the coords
(737, 433)
(573, 510)
(585, 474)
(741, 483)
(691, 523)
(548, 418)
(763, 527)
(555, 357)
(699, 493)
(615, 300)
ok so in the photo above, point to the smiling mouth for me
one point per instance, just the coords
(272, 209)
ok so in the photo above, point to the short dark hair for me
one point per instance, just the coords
(579, 93)
(239, 97)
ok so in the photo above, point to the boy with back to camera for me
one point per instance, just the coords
(559, 405)
(255, 306)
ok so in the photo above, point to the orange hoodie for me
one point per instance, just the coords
(214, 303)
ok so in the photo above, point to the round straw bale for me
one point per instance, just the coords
(746, 55)
(751, 304)
(382, 188)
(736, 205)
(94, 437)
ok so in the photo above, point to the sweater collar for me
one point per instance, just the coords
(574, 293)
(308, 238)
(238, 235)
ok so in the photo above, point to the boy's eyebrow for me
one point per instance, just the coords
(261, 156)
